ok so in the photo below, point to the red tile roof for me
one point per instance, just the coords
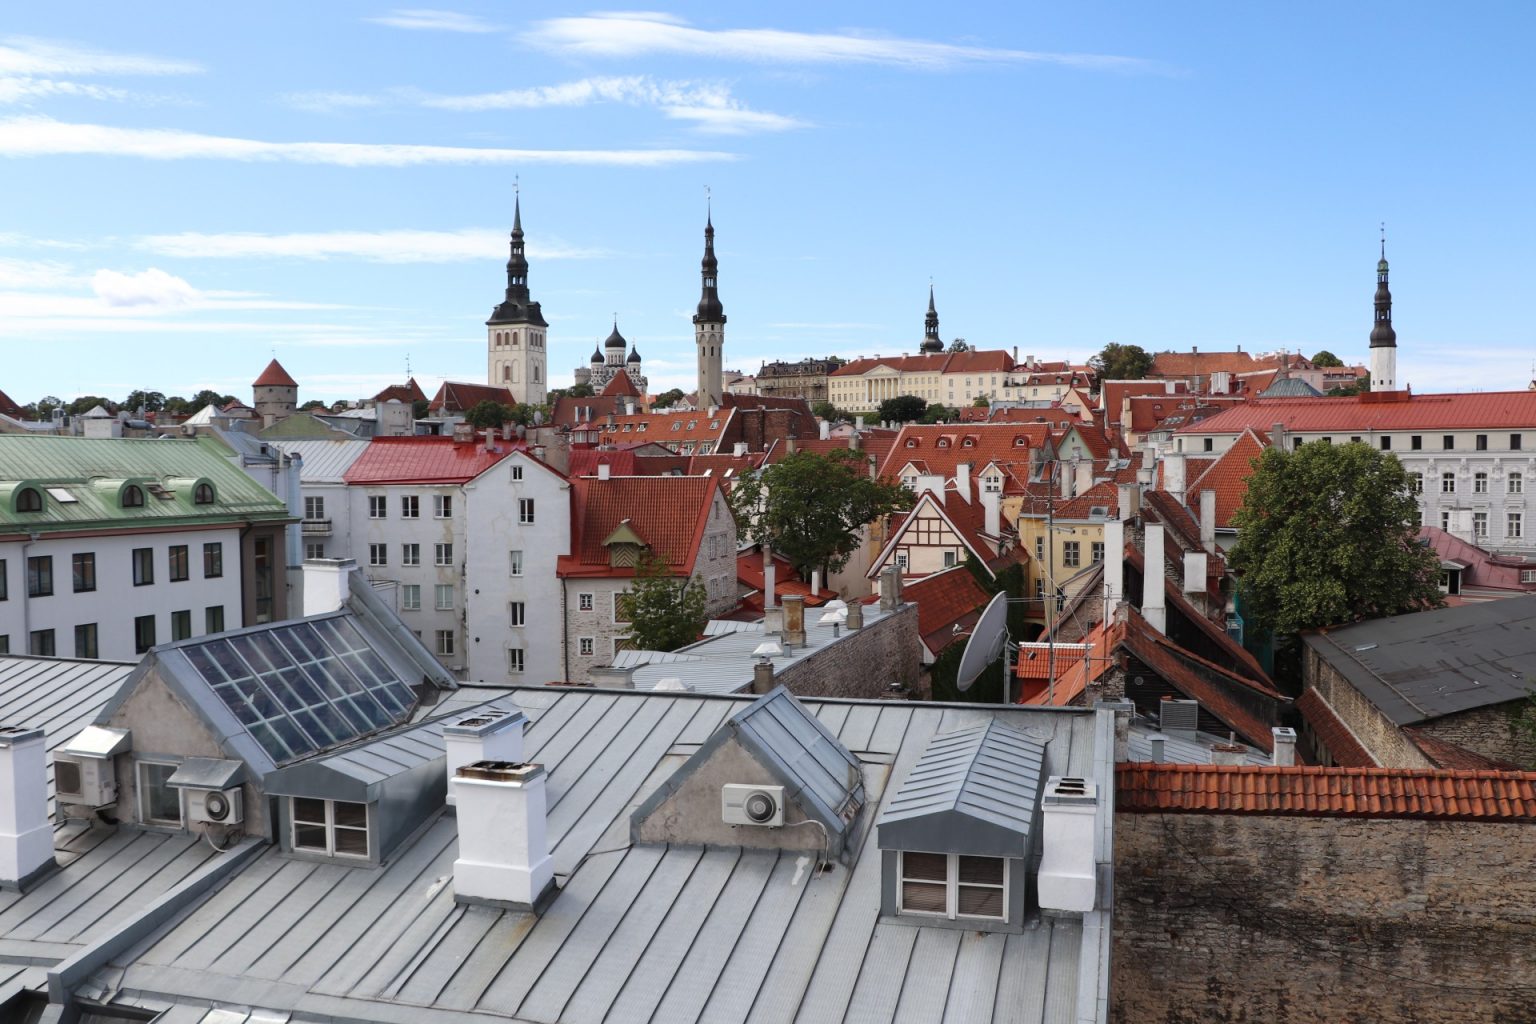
(1228, 477)
(945, 600)
(1449, 755)
(1194, 364)
(669, 513)
(671, 427)
(410, 391)
(274, 376)
(1432, 794)
(425, 460)
(10, 408)
(786, 581)
(620, 385)
(1201, 680)
(1389, 410)
(1342, 745)
(945, 446)
(995, 361)
(459, 397)
(1072, 676)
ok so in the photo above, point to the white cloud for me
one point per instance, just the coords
(23, 55)
(403, 246)
(18, 273)
(152, 287)
(631, 34)
(330, 102)
(732, 120)
(434, 21)
(24, 90)
(43, 136)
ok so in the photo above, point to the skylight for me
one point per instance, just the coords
(61, 496)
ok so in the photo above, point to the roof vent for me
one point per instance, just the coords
(1068, 868)
(1180, 716)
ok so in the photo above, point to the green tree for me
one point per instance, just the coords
(580, 391)
(1326, 358)
(1328, 534)
(959, 345)
(1121, 362)
(152, 401)
(902, 409)
(811, 507)
(668, 398)
(44, 406)
(937, 413)
(829, 412)
(489, 414)
(178, 406)
(420, 408)
(314, 404)
(982, 402)
(665, 611)
(85, 403)
(207, 396)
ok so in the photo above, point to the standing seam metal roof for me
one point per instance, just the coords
(778, 730)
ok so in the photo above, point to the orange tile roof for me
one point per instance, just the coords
(457, 396)
(619, 386)
(671, 427)
(669, 513)
(1072, 680)
(274, 376)
(1387, 410)
(1228, 477)
(995, 361)
(1347, 750)
(410, 391)
(1194, 364)
(425, 460)
(1449, 755)
(1432, 794)
(945, 600)
(945, 446)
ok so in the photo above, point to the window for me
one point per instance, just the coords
(181, 625)
(443, 597)
(5, 581)
(515, 563)
(443, 554)
(1040, 548)
(1096, 551)
(1516, 485)
(40, 576)
(376, 506)
(177, 558)
(334, 828)
(901, 560)
(83, 568)
(1386, 442)
(202, 494)
(1479, 483)
(621, 607)
(410, 597)
(159, 801)
(314, 508)
(1416, 480)
(1295, 443)
(1069, 553)
(1482, 442)
(1514, 525)
(1528, 575)
(953, 885)
(949, 559)
(410, 507)
(1040, 590)
(586, 645)
(5, 643)
(519, 614)
(41, 645)
(410, 554)
(1326, 440)
(85, 640)
(1416, 442)
(584, 602)
(1448, 441)
(445, 643)
(517, 470)
(442, 506)
(28, 500)
(213, 619)
(1445, 520)
(213, 560)
(1447, 483)
(525, 511)
(314, 549)
(378, 554)
(133, 496)
(1514, 442)
(1210, 444)
(514, 659)
(143, 633)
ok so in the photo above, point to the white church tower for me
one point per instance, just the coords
(709, 327)
(517, 353)
(1383, 337)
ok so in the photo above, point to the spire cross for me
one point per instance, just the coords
(1383, 239)
(517, 187)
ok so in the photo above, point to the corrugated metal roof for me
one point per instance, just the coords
(58, 695)
(325, 462)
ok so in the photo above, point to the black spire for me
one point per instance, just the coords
(710, 310)
(1382, 334)
(517, 308)
(931, 340)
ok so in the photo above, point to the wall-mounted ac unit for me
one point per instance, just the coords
(752, 805)
(1179, 716)
(84, 781)
(216, 806)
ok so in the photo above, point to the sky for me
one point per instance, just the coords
(191, 189)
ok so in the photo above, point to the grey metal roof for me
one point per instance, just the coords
(61, 696)
(973, 791)
(782, 734)
(324, 462)
(207, 773)
(357, 772)
(1178, 750)
(1428, 664)
(661, 933)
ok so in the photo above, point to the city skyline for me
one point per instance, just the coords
(334, 187)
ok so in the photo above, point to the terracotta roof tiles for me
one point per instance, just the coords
(1228, 477)
(1194, 364)
(944, 600)
(669, 513)
(425, 460)
(945, 446)
(1342, 745)
(620, 386)
(1387, 410)
(274, 376)
(460, 397)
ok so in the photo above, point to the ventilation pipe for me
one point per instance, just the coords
(1114, 562)
(1068, 870)
(1285, 746)
(825, 430)
(26, 835)
(1208, 520)
(503, 850)
(490, 735)
(1153, 602)
(794, 620)
(1130, 501)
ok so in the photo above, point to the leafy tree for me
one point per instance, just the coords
(1326, 358)
(178, 406)
(44, 406)
(1361, 386)
(488, 414)
(1328, 534)
(902, 409)
(314, 404)
(959, 345)
(420, 408)
(85, 403)
(937, 413)
(811, 507)
(152, 401)
(668, 398)
(1121, 362)
(982, 402)
(580, 391)
(665, 611)
(207, 396)
(828, 411)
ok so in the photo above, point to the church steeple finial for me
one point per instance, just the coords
(1382, 334)
(931, 340)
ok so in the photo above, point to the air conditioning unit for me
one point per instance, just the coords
(84, 781)
(216, 806)
(752, 805)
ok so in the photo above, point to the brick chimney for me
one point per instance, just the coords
(794, 620)
(26, 834)
(503, 849)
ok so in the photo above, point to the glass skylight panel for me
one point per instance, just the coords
(305, 687)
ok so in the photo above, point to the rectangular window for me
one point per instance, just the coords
(1416, 481)
(1479, 524)
(1528, 575)
(213, 619)
(1448, 441)
(1295, 443)
(515, 563)
(5, 643)
(445, 643)
(40, 576)
(410, 597)
(1210, 444)
(410, 554)
(1514, 525)
(1445, 520)
(949, 559)
(586, 645)
(378, 554)
(1386, 442)
(41, 644)
(83, 568)
(176, 558)
(334, 828)
(1069, 554)
(443, 595)
(443, 554)
(525, 511)
(1479, 483)
(1514, 442)
(1096, 551)
(377, 506)
(442, 506)
(143, 566)
(1516, 483)
(314, 508)
(85, 640)
(181, 625)
(159, 801)
(410, 507)
(1040, 548)
(621, 607)
(314, 550)
(517, 471)
(953, 886)
(143, 633)
(519, 613)
(5, 581)
(901, 560)
(1416, 442)
(584, 602)
(1482, 442)
(514, 659)
(213, 560)
(1447, 483)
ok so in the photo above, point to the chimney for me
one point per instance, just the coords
(1277, 436)
(489, 735)
(1195, 569)
(794, 620)
(1158, 742)
(815, 582)
(1208, 520)
(762, 676)
(773, 620)
(963, 481)
(540, 453)
(1068, 877)
(858, 423)
(1130, 501)
(503, 853)
(1230, 755)
(1068, 477)
(1083, 472)
(326, 586)
(489, 437)
(1114, 562)
(991, 513)
(1285, 746)
(825, 430)
(890, 588)
(604, 471)
(463, 433)
(26, 834)
(855, 616)
(1173, 475)
(789, 446)
(1153, 602)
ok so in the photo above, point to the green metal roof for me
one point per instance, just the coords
(95, 471)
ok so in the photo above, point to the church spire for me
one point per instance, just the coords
(516, 306)
(1382, 334)
(931, 340)
(710, 310)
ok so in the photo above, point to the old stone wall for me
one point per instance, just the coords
(864, 664)
(1495, 731)
(1376, 731)
(1284, 920)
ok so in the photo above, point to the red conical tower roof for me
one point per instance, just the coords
(274, 376)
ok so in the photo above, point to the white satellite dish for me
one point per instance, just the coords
(986, 643)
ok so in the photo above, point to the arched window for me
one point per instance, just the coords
(203, 494)
(28, 500)
(506, 372)
(514, 339)
(133, 496)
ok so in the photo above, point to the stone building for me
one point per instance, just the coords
(610, 362)
(516, 335)
(806, 379)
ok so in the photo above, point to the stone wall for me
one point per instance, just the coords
(1284, 920)
(1495, 731)
(863, 664)
(1377, 732)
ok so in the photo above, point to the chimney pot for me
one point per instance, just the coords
(503, 847)
(762, 676)
(604, 470)
(491, 734)
(855, 616)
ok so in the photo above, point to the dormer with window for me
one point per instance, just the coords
(625, 546)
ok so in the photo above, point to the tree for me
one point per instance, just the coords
(1326, 358)
(829, 412)
(314, 404)
(489, 414)
(665, 611)
(937, 413)
(44, 406)
(1361, 386)
(902, 409)
(811, 507)
(420, 408)
(1121, 362)
(959, 345)
(85, 403)
(208, 396)
(580, 391)
(178, 406)
(668, 398)
(1328, 534)
(151, 401)
(982, 402)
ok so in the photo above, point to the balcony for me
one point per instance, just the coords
(317, 528)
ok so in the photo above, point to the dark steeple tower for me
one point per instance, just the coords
(931, 340)
(709, 327)
(516, 334)
(710, 310)
(517, 308)
(1383, 337)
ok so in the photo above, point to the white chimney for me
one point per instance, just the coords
(490, 735)
(1153, 603)
(503, 851)
(930, 482)
(1083, 471)
(825, 430)
(1173, 475)
(1230, 755)
(1208, 519)
(1068, 477)
(858, 423)
(629, 406)
(1194, 572)
(604, 471)
(1159, 744)
(815, 582)
(991, 513)
(26, 834)
(770, 578)
(1114, 562)
(1068, 878)
(1130, 501)
(963, 481)
(1285, 746)
(326, 585)
(739, 449)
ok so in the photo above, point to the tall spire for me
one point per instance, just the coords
(1382, 334)
(931, 340)
(710, 310)
(516, 306)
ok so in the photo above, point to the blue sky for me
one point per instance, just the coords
(191, 188)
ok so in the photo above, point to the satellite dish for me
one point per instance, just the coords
(986, 642)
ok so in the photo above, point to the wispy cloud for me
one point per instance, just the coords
(330, 102)
(23, 55)
(18, 273)
(43, 136)
(424, 20)
(27, 90)
(403, 246)
(633, 34)
(152, 287)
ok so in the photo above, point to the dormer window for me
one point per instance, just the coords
(29, 500)
(954, 886)
(202, 494)
(332, 828)
(133, 496)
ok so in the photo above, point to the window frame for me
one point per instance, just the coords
(526, 512)
(213, 559)
(39, 575)
(442, 506)
(378, 506)
(410, 597)
(442, 555)
(514, 562)
(35, 640)
(330, 827)
(314, 506)
(410, 506)
(142, 788)
(378, 555)
(517, 614)
(444, 643)
(438, 592)
(178, 562)
(143, 562)
(586, 646)
(952, 886)
(410, 554)
(82, 571)
(586, 601)
(211, 613)
(517, 660)
(92, 647)
(139, 621)
(183, 615)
